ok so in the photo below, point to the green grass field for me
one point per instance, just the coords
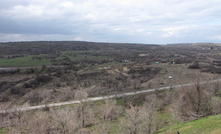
(24, 61)
(207, 125)
(30, 61)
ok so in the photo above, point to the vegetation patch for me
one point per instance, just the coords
(207, 125)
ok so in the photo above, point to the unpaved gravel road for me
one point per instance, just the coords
(97, 98)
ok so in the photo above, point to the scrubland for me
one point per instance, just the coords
(49, 72)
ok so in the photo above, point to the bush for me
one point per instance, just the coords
(43, 79)
(18, 90)
(4, 98)
(4, 85)
(194, 66)
(34, 97)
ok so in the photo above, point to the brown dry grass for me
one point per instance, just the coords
(170, 132)
(216, 132)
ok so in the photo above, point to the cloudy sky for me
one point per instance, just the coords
(129, 21)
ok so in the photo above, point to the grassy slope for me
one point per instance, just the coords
(207, 125)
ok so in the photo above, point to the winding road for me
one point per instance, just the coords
(98, 98)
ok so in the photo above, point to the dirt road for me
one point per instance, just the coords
(97, 98)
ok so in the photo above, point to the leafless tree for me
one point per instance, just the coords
(65, 120)
(4, 117)
(84, 112)
(19, 120)
(192, 101)
(110, 110)
(46, 96)
(39, 123)
(66, 94)
(102, 128)
(215, 104)
(150, 108)
(134, 119)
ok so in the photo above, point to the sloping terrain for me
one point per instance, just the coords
(207, 125)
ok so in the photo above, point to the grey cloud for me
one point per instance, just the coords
(115, 21)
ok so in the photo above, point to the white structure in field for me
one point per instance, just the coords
(170, 77)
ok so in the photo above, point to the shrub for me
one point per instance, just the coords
(43, 79)
(194, 66)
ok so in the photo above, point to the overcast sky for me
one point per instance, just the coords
(128, 21)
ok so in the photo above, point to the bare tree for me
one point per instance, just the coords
(102, 128)
(66, 94)
(110, 110)
(215, 104)
(65, 120)
(85, 114)
(150, 108)
(46, 95)
(39, 123)
(19, 121)
(4, 117)
(192, 101)
(134, 119)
